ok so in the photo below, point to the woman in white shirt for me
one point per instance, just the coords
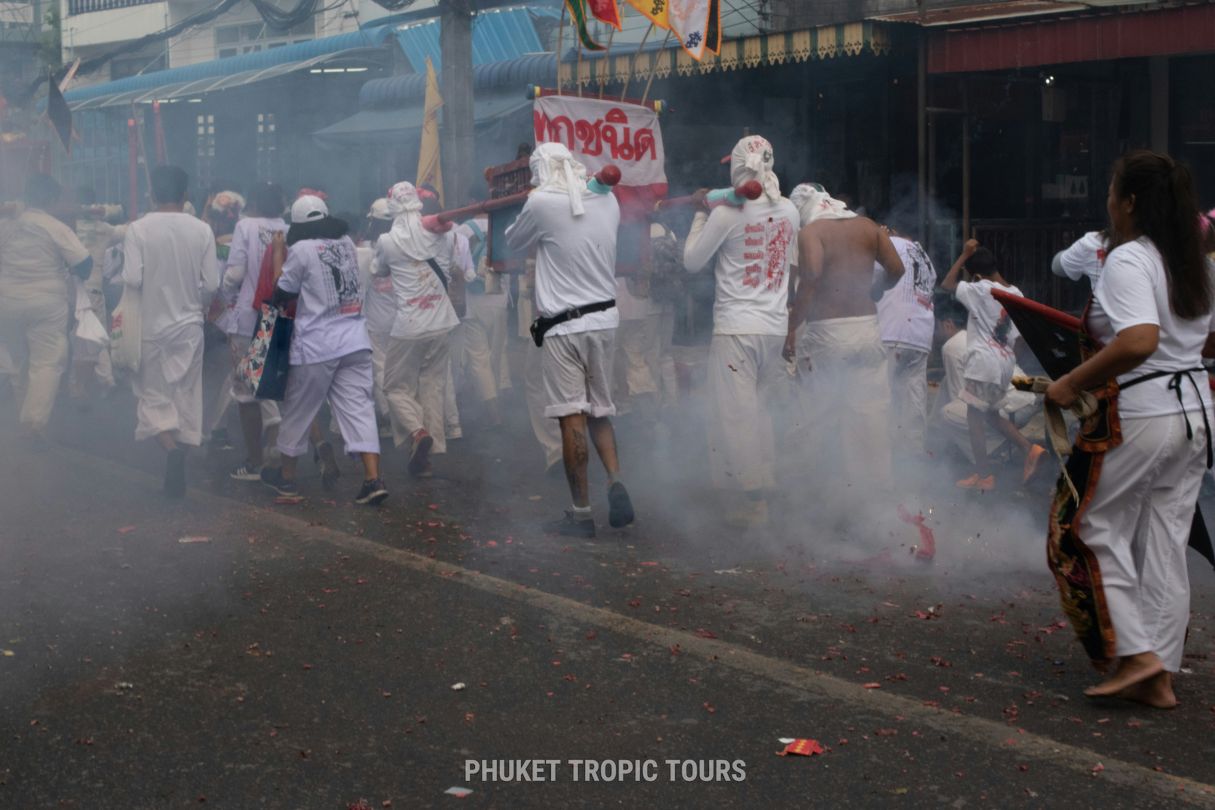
(1118, 552)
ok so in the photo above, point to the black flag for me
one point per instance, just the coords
(59, 114)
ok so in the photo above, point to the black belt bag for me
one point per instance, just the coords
(541, 325)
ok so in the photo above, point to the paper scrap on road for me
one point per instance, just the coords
(193, 539)
(458, 687)
(458, 792)
(801, 748)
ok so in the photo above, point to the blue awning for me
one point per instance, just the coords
(220, 74)
(392, 126)
(512, 74)
(498, 34)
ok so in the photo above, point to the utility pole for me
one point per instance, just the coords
(456, 85)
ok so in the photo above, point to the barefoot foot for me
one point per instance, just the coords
(1156, 692)
(1132, 670)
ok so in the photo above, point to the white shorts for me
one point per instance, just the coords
(986, 396)
(577, 372)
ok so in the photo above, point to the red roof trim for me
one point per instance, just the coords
(1164, 32)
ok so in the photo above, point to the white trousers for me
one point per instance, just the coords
(907, 374)
(169, 385)
(1138, 524)
(415, 385)
(347, 383)
(638, 359)
(547, 431)
(379, 354)
(846, 398)
(485, 347)
(451, 411)
(34, 327)
(668, 379)
(745, 374)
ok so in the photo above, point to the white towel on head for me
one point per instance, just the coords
(753, 159)
(554, 169)
(405, 207)
(814, 203)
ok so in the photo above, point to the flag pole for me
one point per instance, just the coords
(633, 62)
(607, 54)
(560, 36)
(646, 95)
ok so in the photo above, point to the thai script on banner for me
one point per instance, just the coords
(602, 131)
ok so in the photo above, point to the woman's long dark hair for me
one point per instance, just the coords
(1166, 211)
(323, 228)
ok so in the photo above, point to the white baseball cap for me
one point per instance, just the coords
(308, 208)
(379, 210)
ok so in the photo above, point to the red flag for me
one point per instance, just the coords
(605, 11)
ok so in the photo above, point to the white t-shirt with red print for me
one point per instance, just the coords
(990, 333)
(755, 247)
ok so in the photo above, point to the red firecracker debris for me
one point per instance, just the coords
(703, 633)
(801, 748)
(873, 685)
(126, 529)
(927, 548)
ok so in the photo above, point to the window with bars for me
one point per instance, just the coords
(205, 168)
(267, 145)
(232, 40)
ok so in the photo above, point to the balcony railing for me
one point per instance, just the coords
(85, 6)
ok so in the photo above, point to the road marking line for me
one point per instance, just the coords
(988, 733)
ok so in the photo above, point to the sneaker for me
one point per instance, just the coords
(571, 525)
(419, 455)
(175, 474)
(373, 493)
(273, 478)
(246, 472)
(620, 508)
(976, 482)
(1032, 461)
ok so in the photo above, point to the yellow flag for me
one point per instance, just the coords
(430, 170)
(656, 10)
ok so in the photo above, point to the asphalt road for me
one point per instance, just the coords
(235, 652)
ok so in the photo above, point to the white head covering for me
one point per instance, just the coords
(405, 208)
(554, 169)
(752, 159)
(379, 210)
(814, 203)
(308, 208)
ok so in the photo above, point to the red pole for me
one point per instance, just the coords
(750, 190)
(608, 176)
(132, 170)
(160, 134)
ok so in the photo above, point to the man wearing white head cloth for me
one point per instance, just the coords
(573, 232)
(419, 257)
(833, 332)
(754, 248)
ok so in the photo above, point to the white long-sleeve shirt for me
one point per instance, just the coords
(423, 308)
(575, 256)
(755, 246)
(171, 257)
(250, 240)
